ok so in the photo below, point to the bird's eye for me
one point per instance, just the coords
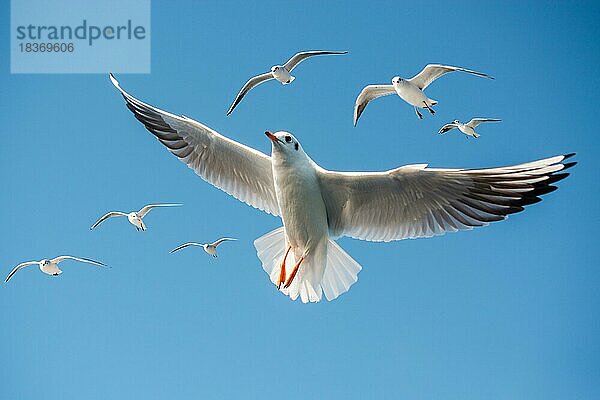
(288, 138)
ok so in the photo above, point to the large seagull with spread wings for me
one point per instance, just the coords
(317, 206)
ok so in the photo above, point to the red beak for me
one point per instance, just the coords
(272, 137)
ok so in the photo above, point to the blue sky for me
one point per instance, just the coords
(509, 311)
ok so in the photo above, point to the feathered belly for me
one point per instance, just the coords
(282, 75)
(302, 211)
(50, 269)
(467, 130)
(412, 96)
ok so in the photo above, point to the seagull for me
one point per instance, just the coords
(410, 90)
(136, 218)
(317, 205)
(282, 73)
(210, 248)
(468, 128)
(50, 267)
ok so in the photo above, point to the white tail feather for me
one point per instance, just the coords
(270, 248)
(341, 270)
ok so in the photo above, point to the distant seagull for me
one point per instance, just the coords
(317, 205)
(410, 90)
(50, 267)
(210, 248)
(468, 128)
(280, 72)
(134, 217)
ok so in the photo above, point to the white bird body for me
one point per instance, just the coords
(136, 220)
(467, 130)
(317, 205)
(301, 204)
(50, 266)
(411, 93)
(212, 250)
(281, 73)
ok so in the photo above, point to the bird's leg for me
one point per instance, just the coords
(429, 108)
(282, 269)
(418, 113)
(294, 271)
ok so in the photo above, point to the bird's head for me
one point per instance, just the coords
(456, 121)
(275, 68)
(44, 262)
(396, 80)
(285, 147)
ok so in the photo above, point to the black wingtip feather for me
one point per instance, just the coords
(525, 201)
(515, 209)
(542, 190)
(556, 178)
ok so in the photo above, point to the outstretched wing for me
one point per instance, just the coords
(58, 259)
(185, 245)
(146, 209)
(303, 55)
(367, 94)
(108, 215)
(236, 169)
(218, 242)
(414, 201)
(252, 82)
(18, 267)
(476, 121)
(433, 71)
(447, 127)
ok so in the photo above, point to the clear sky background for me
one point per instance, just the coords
(510, 311)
